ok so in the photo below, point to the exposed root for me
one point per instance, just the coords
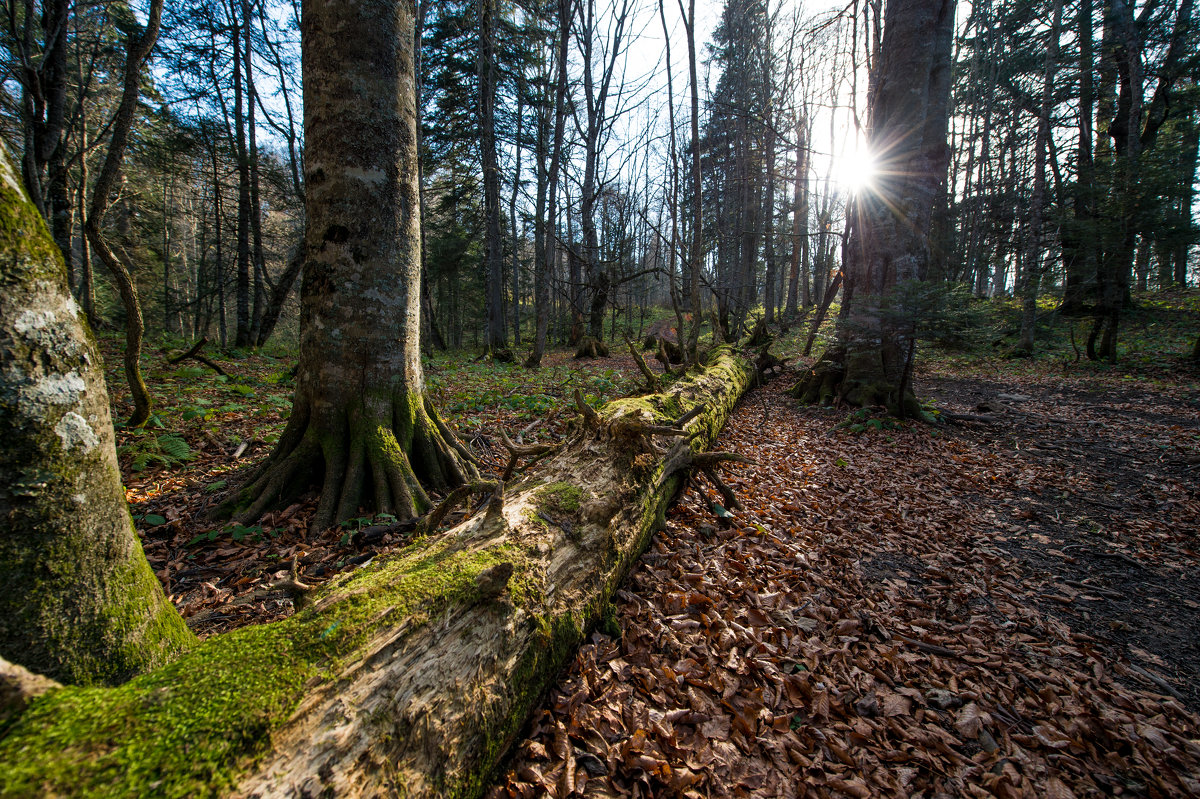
(434, 519)
(681, 457)
(299, 591)
(369, 459)
(731, 500)
(767, 365)
(591, 348)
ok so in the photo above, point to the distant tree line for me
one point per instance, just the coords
(559, 195)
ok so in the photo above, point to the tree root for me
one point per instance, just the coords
(372, 458)
(731, 500)
(299, 591)
(430, 522)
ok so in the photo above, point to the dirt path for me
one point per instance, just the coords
(994, 609)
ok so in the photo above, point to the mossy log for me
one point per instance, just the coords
(411, 676)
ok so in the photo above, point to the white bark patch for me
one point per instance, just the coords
(375, 177)
(40, 395)
(29, 323)
(74, 431)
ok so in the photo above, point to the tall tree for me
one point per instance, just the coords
(1034, 236)
(361, 422)
(139, 43)
(80, 602)
(544, 270)
(870, 362)
(497, 343)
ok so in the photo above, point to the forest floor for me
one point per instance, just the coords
(1000, 606)
(1004, 608)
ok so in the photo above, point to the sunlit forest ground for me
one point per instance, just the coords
(1048, 520)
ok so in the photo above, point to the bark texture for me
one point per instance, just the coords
(408, 677)
(360, 423)
(80, 603)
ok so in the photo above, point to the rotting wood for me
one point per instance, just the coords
(414, 674)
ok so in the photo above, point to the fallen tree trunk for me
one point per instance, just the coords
(411, 676)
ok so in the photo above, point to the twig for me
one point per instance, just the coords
(932, 649)
(194, 354)
(1159, 681)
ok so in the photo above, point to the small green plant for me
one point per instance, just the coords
(236, 532)
(146, 449)
(861, 421)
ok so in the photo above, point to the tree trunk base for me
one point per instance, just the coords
(591, 348)
(370, 456)
(830, 382)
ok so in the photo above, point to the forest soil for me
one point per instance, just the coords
(983, 609)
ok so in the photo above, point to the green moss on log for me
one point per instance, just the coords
(559, 498)
(192, 727)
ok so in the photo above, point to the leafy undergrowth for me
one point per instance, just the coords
(1000, 608)
(207, 429)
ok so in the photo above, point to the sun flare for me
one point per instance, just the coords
(855, 170)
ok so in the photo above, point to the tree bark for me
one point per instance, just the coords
(696, 244)
(493, 242)
(361, 423)
(545, 268)
(1078, 237)
(414, 675)
(1031, 278)
(80, 603)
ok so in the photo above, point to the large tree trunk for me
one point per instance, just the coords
(80, 603)
(1078, 237)
(412, 676)
(1031, 276)
(870, 363)
(244, 334)
(360, 423)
